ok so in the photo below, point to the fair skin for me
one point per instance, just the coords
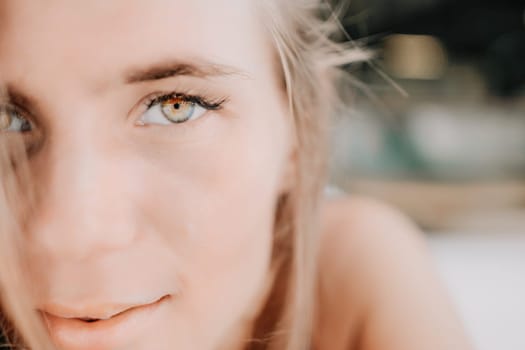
(378, 288)
(164, 203)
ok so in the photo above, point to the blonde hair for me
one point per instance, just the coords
(308, 64)
(303, 33)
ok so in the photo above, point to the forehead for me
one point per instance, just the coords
(90, 37)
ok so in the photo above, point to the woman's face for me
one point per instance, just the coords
(160, 142)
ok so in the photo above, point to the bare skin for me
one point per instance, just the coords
(377, 285)
(161, 140)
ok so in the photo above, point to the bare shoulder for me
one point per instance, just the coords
(377, 285)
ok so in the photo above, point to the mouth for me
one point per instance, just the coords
(100, 329)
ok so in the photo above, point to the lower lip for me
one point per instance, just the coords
(114, 333)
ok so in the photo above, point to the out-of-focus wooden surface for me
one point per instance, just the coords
(438, 206)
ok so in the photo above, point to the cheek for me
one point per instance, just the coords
(214, 202)
(227, 179)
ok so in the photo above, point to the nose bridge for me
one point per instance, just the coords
(84, 211)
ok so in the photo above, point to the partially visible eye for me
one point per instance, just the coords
(12, 121)
(175, 109)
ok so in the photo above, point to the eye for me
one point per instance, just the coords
(176, 109)
(12, 121)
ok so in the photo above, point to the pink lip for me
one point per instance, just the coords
(114, 332)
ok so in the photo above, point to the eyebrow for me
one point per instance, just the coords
(167, 69)
(170, 69)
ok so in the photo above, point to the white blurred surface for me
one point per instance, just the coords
(485, 275)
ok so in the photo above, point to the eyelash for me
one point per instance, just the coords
(25, 117)
(208, 104)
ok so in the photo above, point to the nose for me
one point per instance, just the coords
(86, 207)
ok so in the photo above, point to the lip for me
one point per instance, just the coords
(106, 333)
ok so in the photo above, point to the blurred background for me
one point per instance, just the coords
(437, 128)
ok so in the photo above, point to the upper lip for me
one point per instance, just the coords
(100, 311)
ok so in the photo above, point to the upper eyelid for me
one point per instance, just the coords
(154, 98)
(203, 101)
(145, 102)
(158, 97)
(27, 104)
(12, 107)
(20, 111)
(26, 107)
(16, 102)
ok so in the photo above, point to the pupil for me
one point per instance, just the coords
(26, 126)
(176, 105)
